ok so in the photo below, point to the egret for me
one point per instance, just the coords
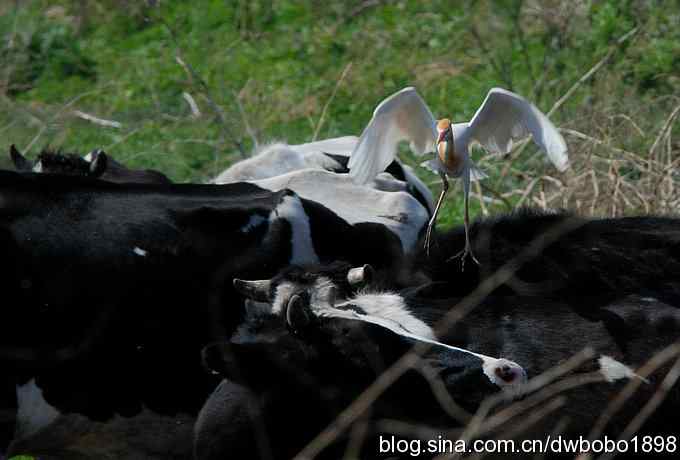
(404, 116)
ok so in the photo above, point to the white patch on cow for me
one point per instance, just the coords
(398, 211)
(274, 159)
(336, 146)
(290, 208)
(391, 307)
(389, 310)
(282, 294)
(613, 370)
(385, 182)
(320, 294)
(490, 366)
(649, 299)
(255, 221)
(385, 201)
(33, 412)
(38, 167)
(88, 157)
(139, 251)
(269, 161)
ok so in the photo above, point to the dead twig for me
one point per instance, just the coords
(586, 76)
(58, 113)
(97, 120)
(226, 130)
(446, 402)
(195, 112)
(497, 195)
(664, 130)
(246, 123)
(330, 99)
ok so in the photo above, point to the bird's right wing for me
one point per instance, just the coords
(403, 116)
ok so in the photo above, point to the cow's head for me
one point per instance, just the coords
(61, 163)
(314, 334)
(306, 281)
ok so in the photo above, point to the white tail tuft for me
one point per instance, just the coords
(612, 370)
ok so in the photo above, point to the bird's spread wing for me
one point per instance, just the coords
(335, 146)
(505, 116)
(402, 116)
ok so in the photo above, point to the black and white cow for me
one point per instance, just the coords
(312, 320)
(111, 290)
(315, 354)
(96, 164)
(399, 212)
(330, 155)
(396, 210)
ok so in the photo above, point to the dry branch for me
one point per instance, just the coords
(593, 70)
(97, 120)
(328, 103)
(195, 112)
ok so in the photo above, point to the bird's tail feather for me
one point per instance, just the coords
(476, 173)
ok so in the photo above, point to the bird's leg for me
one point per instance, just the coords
(466, 223)
(430, 225)
(468, 246)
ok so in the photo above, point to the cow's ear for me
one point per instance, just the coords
(297, 314)
(359, 276)
(20, 161)
(99, 161)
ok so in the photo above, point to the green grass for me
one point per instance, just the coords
(118, 62)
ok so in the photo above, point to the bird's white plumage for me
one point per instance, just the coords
(504, 117)
(404, 116)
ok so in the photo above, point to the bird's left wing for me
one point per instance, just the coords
(402, 116)
(505, 116)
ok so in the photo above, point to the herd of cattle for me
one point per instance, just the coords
(143, 319)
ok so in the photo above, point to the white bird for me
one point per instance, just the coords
(404, 116)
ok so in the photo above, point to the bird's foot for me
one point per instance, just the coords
(467, 251)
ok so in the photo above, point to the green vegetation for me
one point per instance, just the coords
(268, 70)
